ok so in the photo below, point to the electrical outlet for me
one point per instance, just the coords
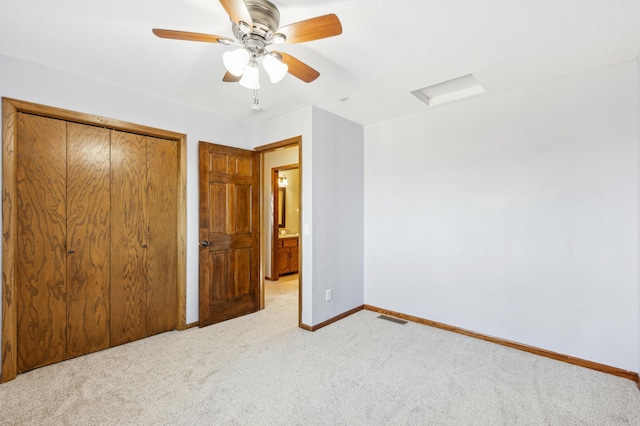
(328, 294)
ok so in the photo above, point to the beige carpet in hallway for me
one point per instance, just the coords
(262, 370)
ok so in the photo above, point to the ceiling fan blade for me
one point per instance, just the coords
(237, 11)
(230, 78)
(312, 29)
(299, 69)
(184, 35)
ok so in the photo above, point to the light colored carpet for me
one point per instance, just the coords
(262, 370)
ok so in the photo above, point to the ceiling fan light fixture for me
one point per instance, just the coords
(274, 66)
(236, 61)
(256, 25)
(279, 38)
(244, 27)
(250, 77)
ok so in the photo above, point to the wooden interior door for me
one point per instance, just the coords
(229, 233)
(88, 238)
(41, 241)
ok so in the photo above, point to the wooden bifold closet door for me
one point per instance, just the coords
(96, 252)
(144, 254)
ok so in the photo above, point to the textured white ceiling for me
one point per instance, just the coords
(386, 50)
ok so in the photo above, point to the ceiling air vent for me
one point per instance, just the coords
(448, 91)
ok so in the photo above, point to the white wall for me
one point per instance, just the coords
(338, 214)
(34, 83)
(514, 215)
(272, 159)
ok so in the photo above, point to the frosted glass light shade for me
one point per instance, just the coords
(250, 77)
(274, 67)
(235, 61)
(279, 38)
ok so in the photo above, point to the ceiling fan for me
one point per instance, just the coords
(256, 26)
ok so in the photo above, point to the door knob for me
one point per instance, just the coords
(204, 243)
(71, 251)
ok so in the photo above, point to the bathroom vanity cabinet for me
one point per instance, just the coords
(287, 255)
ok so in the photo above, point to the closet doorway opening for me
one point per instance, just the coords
(281, 221)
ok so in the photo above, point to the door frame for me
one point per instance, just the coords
(264, 149)
(10, 110)
(275, 171)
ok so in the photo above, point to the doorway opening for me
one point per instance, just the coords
(285, 234)
(281, 208)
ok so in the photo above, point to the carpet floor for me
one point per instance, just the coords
(262, 369)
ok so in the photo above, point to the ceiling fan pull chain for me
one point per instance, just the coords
(255, 106)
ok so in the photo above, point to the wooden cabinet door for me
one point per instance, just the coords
(284, 262)
(229, 233)
(41, 241)
(88, 238)
(288, 256)
(294, 259)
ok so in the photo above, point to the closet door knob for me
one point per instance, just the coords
(71, 251)
(204, 243)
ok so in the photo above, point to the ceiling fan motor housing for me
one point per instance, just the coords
(266, 21)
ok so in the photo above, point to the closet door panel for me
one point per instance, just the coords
(88, 238)
(128, 237)
(41, 241)
(162, 166)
